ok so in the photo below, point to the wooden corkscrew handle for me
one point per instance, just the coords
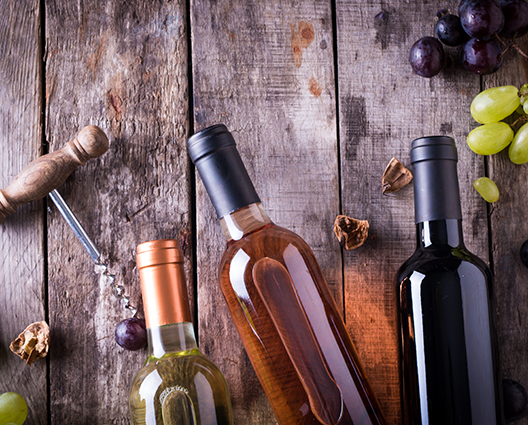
(49, 171)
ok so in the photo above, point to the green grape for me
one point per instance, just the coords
(13, 409)
(518, 151)
(524, 92)
(489, 139)
(495, 104)
(525, 107)
(487, 189)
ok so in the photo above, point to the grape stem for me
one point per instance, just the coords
(510, 45)
(522, 118)
(504, 51)
(516, 47)
(501, 41)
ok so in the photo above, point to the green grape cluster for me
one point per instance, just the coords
(503, 113)
(499, 110)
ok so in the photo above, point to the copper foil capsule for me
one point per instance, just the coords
(163, 287)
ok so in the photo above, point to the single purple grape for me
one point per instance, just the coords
(481, 18)
(427, 57)
(381, 17)
(524, 253)
(450, 32)
(482, 56)
(515, 399)
(515, 18)
(131, 333)
(441, 12)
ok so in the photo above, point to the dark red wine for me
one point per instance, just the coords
(449, 350)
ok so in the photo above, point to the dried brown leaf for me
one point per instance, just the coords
(351, 233)
(32, 343)
(395, 177)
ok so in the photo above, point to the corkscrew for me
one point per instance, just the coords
(45, 174)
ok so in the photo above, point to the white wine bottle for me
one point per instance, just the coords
(178, 385)
(447, 315)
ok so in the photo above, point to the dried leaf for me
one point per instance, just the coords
(32, 343)
(395, 177)
(351, 233)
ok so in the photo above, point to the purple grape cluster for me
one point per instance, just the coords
(483, 31)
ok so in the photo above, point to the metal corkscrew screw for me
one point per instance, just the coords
(90, 248)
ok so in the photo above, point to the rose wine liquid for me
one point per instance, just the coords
(262, 341)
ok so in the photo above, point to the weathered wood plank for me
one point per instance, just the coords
(509, 229)
(122, 66)
(383, 106)
(22, 263)
(265, 69)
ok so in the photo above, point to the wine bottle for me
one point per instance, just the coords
(281, 305)
(449, 348)
(178, 385)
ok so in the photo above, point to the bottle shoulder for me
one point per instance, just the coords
(271, 241)
(178, 366)
(271, 236)
(184, 385)
(435, 260)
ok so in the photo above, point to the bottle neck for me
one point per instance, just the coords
(213, 151)
(170, 339)
(436, 192)
(162, 279)
(440, 234)
(243, 221)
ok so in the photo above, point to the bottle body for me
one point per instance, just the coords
(279, 300)
(263, 344)
(450, 362)
(449, 350)
(180, 387)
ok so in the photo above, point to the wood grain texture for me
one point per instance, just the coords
(509, 229)
(265, 69)
(123, 67)
(383, 106)
(22, 287)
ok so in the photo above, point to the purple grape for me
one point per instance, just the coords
(515, 18)
(524, 253)
(480, 18)
(482, 56)
(515, 399)
(450, 32)
(441, 12)
(131, 333)
(427, 57)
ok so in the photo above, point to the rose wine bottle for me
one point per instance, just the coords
(178, 385)
(280, 303)
(449, 349)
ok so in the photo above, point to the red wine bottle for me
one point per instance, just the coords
(449, 348)
(282, 307)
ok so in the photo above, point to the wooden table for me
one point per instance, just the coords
(319, 96)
